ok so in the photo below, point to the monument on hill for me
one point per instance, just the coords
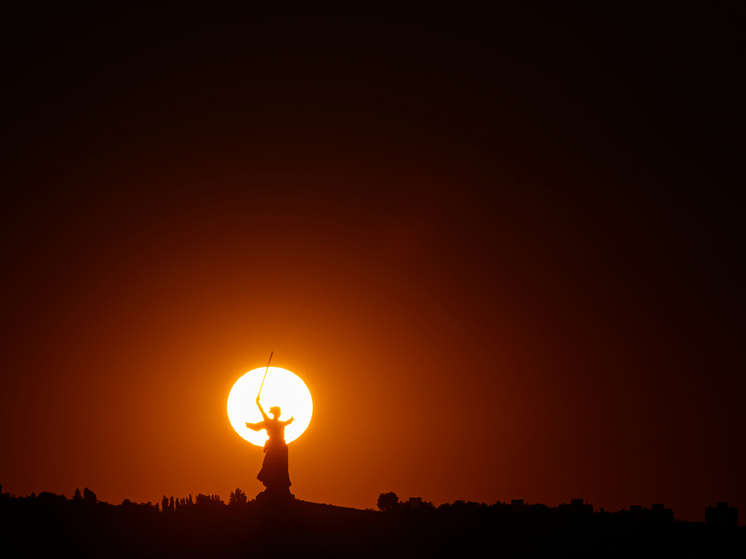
(282, 388)
(274, 473)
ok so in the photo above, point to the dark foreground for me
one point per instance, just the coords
(50, 526)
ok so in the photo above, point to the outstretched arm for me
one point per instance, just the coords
(261, 409)
(289, 421)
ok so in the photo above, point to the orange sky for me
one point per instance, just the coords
(494, 283)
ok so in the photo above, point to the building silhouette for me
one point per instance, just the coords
(721, 515)
(519, 506)
(576, 506)
(658, 513)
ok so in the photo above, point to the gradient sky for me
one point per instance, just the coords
(504, 250)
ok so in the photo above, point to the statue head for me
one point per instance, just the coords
(275, 411)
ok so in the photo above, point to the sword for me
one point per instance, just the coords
(265, 376)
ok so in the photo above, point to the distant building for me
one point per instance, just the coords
(658, 513)
(721, 515)
(517, 505)
(576, 506)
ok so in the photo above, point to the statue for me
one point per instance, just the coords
(274, 473)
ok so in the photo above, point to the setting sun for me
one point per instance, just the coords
(281, 388)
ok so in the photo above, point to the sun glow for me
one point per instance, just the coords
(281, 388)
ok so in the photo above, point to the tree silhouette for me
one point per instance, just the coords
(77, 496)
(416, 503)
(388, 501)
(208, 501)
(89, 496)
(237, 498)
(48, 525)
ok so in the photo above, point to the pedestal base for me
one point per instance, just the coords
(275, 496)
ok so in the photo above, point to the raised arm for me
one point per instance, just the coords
(261, 409)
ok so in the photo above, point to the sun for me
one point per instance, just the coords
(281, 388)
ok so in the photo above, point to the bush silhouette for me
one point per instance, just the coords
(388, 501)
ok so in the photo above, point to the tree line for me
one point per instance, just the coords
(50, 525)
(167, 504)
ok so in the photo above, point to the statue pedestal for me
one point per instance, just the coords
(275, 496)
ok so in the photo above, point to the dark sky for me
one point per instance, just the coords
(504, 249)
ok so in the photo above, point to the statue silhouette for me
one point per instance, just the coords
(274, 473)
